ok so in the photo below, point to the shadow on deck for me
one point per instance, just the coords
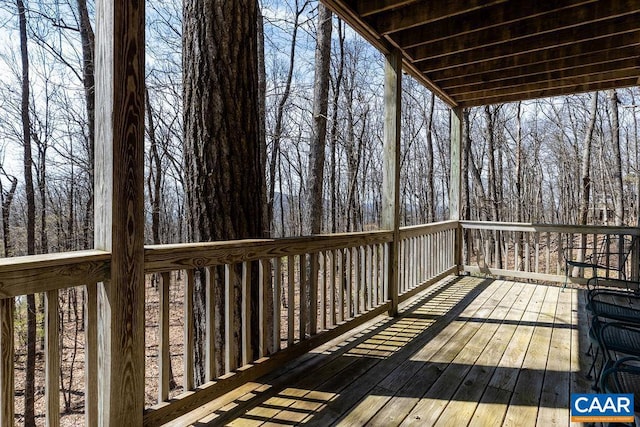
(467, 351)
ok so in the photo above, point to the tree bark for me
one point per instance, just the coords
(223, 159)
(29, 392)
(319, 124)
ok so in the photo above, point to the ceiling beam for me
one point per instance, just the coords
(344, 10)
(572, 52)
(546, 93)
(424, 12)
(565, 37)
(624, 68)
(493, 16)
(559, 87)
(561, 62)
(371, 7)
(578, 19)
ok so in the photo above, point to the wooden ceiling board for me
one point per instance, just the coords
(487, 51)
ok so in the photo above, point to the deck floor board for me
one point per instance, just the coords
(468, 351)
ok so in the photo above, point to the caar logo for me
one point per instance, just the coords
(602, 408)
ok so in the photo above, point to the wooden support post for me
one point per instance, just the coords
(391, 169)
(119, 209)
(455, 183)
(91, 356)
(7, 382)
(52, 359)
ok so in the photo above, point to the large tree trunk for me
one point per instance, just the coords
(29, 388)
(221, 127)
(334, 127)
(319, 123)
(317, 152)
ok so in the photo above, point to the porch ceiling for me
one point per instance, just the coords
(479, 52)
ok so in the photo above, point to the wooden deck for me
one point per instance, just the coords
(468, 351)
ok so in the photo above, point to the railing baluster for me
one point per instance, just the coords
(355, 265)
(210, 322)
(332, 287)
(229, 324)
(313, 294)
(323, 290)
(277, 303)
(341, 285)
(245, 316)
(264, 279)
(91, 356)
(527, 253)
(291, 304)
(537, 243)
(52, 359)
(302, 284)
(188, 359)
(6, 364)
(349, 271)
(375, 280)
(164, 354)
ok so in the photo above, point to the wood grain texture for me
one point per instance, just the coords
(41, 273)
(453, 40)
(210, 325)
(391, 166)
(7, 388)
(52, 359)
(164, 354)
(119, 208)
(91, 355)
(189, 342)
(229, 317)
(197, 255)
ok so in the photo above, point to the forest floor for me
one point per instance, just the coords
(72, 395)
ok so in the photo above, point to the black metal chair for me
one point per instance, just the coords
(613, 340)
(623, 376)
(607, 257)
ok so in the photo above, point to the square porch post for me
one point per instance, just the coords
(119, 211)
(391, 168)
(455, 181)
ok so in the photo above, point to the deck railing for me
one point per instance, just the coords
(297, 293)
(538, 251)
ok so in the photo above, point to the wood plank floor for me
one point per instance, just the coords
(468, 351)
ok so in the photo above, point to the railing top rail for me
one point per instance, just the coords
(39, 273)
(561, 228)
(196, 255)
(28, 262)
(417, 230)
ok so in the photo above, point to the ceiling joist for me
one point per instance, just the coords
(486, 51)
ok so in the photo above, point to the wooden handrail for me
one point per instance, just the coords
(559, 228)
(41, 273)
(347, 277)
